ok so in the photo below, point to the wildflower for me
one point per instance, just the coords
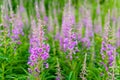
(39, 51)
(68, 39)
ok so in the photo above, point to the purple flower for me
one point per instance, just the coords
(109, 53)
(57, 78)
(19, 42)
(86, 42)
(29, 70)
(37, 70)
(39, 50)
(68, 37)
(17, 28)
(44, 56)
(47, 48)
(66, 40)
(111, 58)
(109, 50)
(106, 68)
(72, 45)
(46, 65)
(45, 19)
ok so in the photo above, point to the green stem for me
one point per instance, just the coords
(3, 70)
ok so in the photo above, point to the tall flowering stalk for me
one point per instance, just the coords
(17, 29)
(87, 23)
(23, 13)
(59, 76)
(5, 17)
(39, 51)
(68, 39)
(108, 50)
(57, 27)
(42, 8)
(87, 20)
(98, 23)
(43, 11)
(83, 73)
(114, 40)
(53, 26)
(50, 23)
(80, 25)
(37, 10)
(16, 25)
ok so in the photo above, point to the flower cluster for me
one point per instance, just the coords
(5, 18)
(85, 23)
(17, 28)
(15, 19)
(68, 40)
(107, 49)
(39, 51)
(97, 22)
(107, 52)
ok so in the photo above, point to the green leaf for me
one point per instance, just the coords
(70, 75)
(49, 77)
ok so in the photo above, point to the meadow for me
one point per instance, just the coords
(59, 39)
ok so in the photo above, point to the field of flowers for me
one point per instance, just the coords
(59, 39)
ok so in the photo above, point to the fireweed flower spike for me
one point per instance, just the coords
(43, 12)
(50, 22)
(105, 42)
(83, 73)
(37, 10)
(80, 26)
(98, 23)
(87, 23)
(17, 25)
(5, 17)
(42, 8)
(68, 39)
(87, 20)
(113, 41)
(17, 28)
(39, 51)
(23, 13)
(57, 27)
(107, 50)
(59, 76)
